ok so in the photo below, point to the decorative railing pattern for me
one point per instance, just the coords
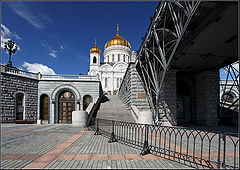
(208, 149)
(82, 77)
(16, 71)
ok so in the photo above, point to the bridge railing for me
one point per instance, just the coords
(208, 149)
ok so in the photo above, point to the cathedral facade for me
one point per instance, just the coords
(117, 54)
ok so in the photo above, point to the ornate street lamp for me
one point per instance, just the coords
(11, 48)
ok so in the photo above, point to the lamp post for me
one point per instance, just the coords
(11, 48)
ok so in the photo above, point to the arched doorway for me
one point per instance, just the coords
(19, 106)
(44, 107)
(87, 99)
(66, 104)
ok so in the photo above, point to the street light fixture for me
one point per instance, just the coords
(11, 48)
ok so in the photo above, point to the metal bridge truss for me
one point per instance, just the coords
(166, 30)
(230, 89)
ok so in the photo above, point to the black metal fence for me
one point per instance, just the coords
(208, 149)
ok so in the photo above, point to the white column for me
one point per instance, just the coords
(38, 111)
(112, 82)
(52, 114)
(100, 77)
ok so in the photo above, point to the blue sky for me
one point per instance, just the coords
(55, 37)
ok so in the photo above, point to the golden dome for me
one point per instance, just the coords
(95, 49)
(117, 40)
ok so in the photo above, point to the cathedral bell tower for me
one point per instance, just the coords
(95, 55)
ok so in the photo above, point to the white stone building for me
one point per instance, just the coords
(117, 54)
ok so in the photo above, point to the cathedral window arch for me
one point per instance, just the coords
(105, 82)
(113, 58)
(108, 58)
(94, 59)
(118, 57)
(117, 82)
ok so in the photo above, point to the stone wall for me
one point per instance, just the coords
(10, 86)
(169, 98)
(207, 97)
(131, 91)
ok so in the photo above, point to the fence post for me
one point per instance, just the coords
(145, 149)
(97, 130)
(112, 138)
(224, 150)
(219, 151)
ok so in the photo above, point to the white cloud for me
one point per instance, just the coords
(36, 20)
(61, 47)
(36, 67)
(6, 35)
(53, 53)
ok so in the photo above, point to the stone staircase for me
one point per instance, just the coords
(164, 120)
(112, 108)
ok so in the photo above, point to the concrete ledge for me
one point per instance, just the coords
(79, 118)
(145, 117)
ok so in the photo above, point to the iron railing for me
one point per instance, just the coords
(208, 149)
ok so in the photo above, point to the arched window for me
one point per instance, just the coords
(227, 97)
(87, 99)
(94, 59)
(20, 106)
(118, 57)
(105, 82)
(44, 107)
(108, 58)
(117, 82)
(123, 57)
(113, 58)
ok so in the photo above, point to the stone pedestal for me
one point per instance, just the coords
(79, 118)
(145, 117)
(39, 121)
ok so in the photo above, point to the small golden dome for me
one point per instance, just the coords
(117, 40)
(95, 49)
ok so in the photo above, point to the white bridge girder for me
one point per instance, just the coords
(159, 46)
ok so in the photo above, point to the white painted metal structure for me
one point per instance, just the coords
(159, 45)
(229, 89)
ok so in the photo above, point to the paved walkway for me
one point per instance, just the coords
(65, 146)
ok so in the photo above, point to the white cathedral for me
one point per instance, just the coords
(117, 54)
